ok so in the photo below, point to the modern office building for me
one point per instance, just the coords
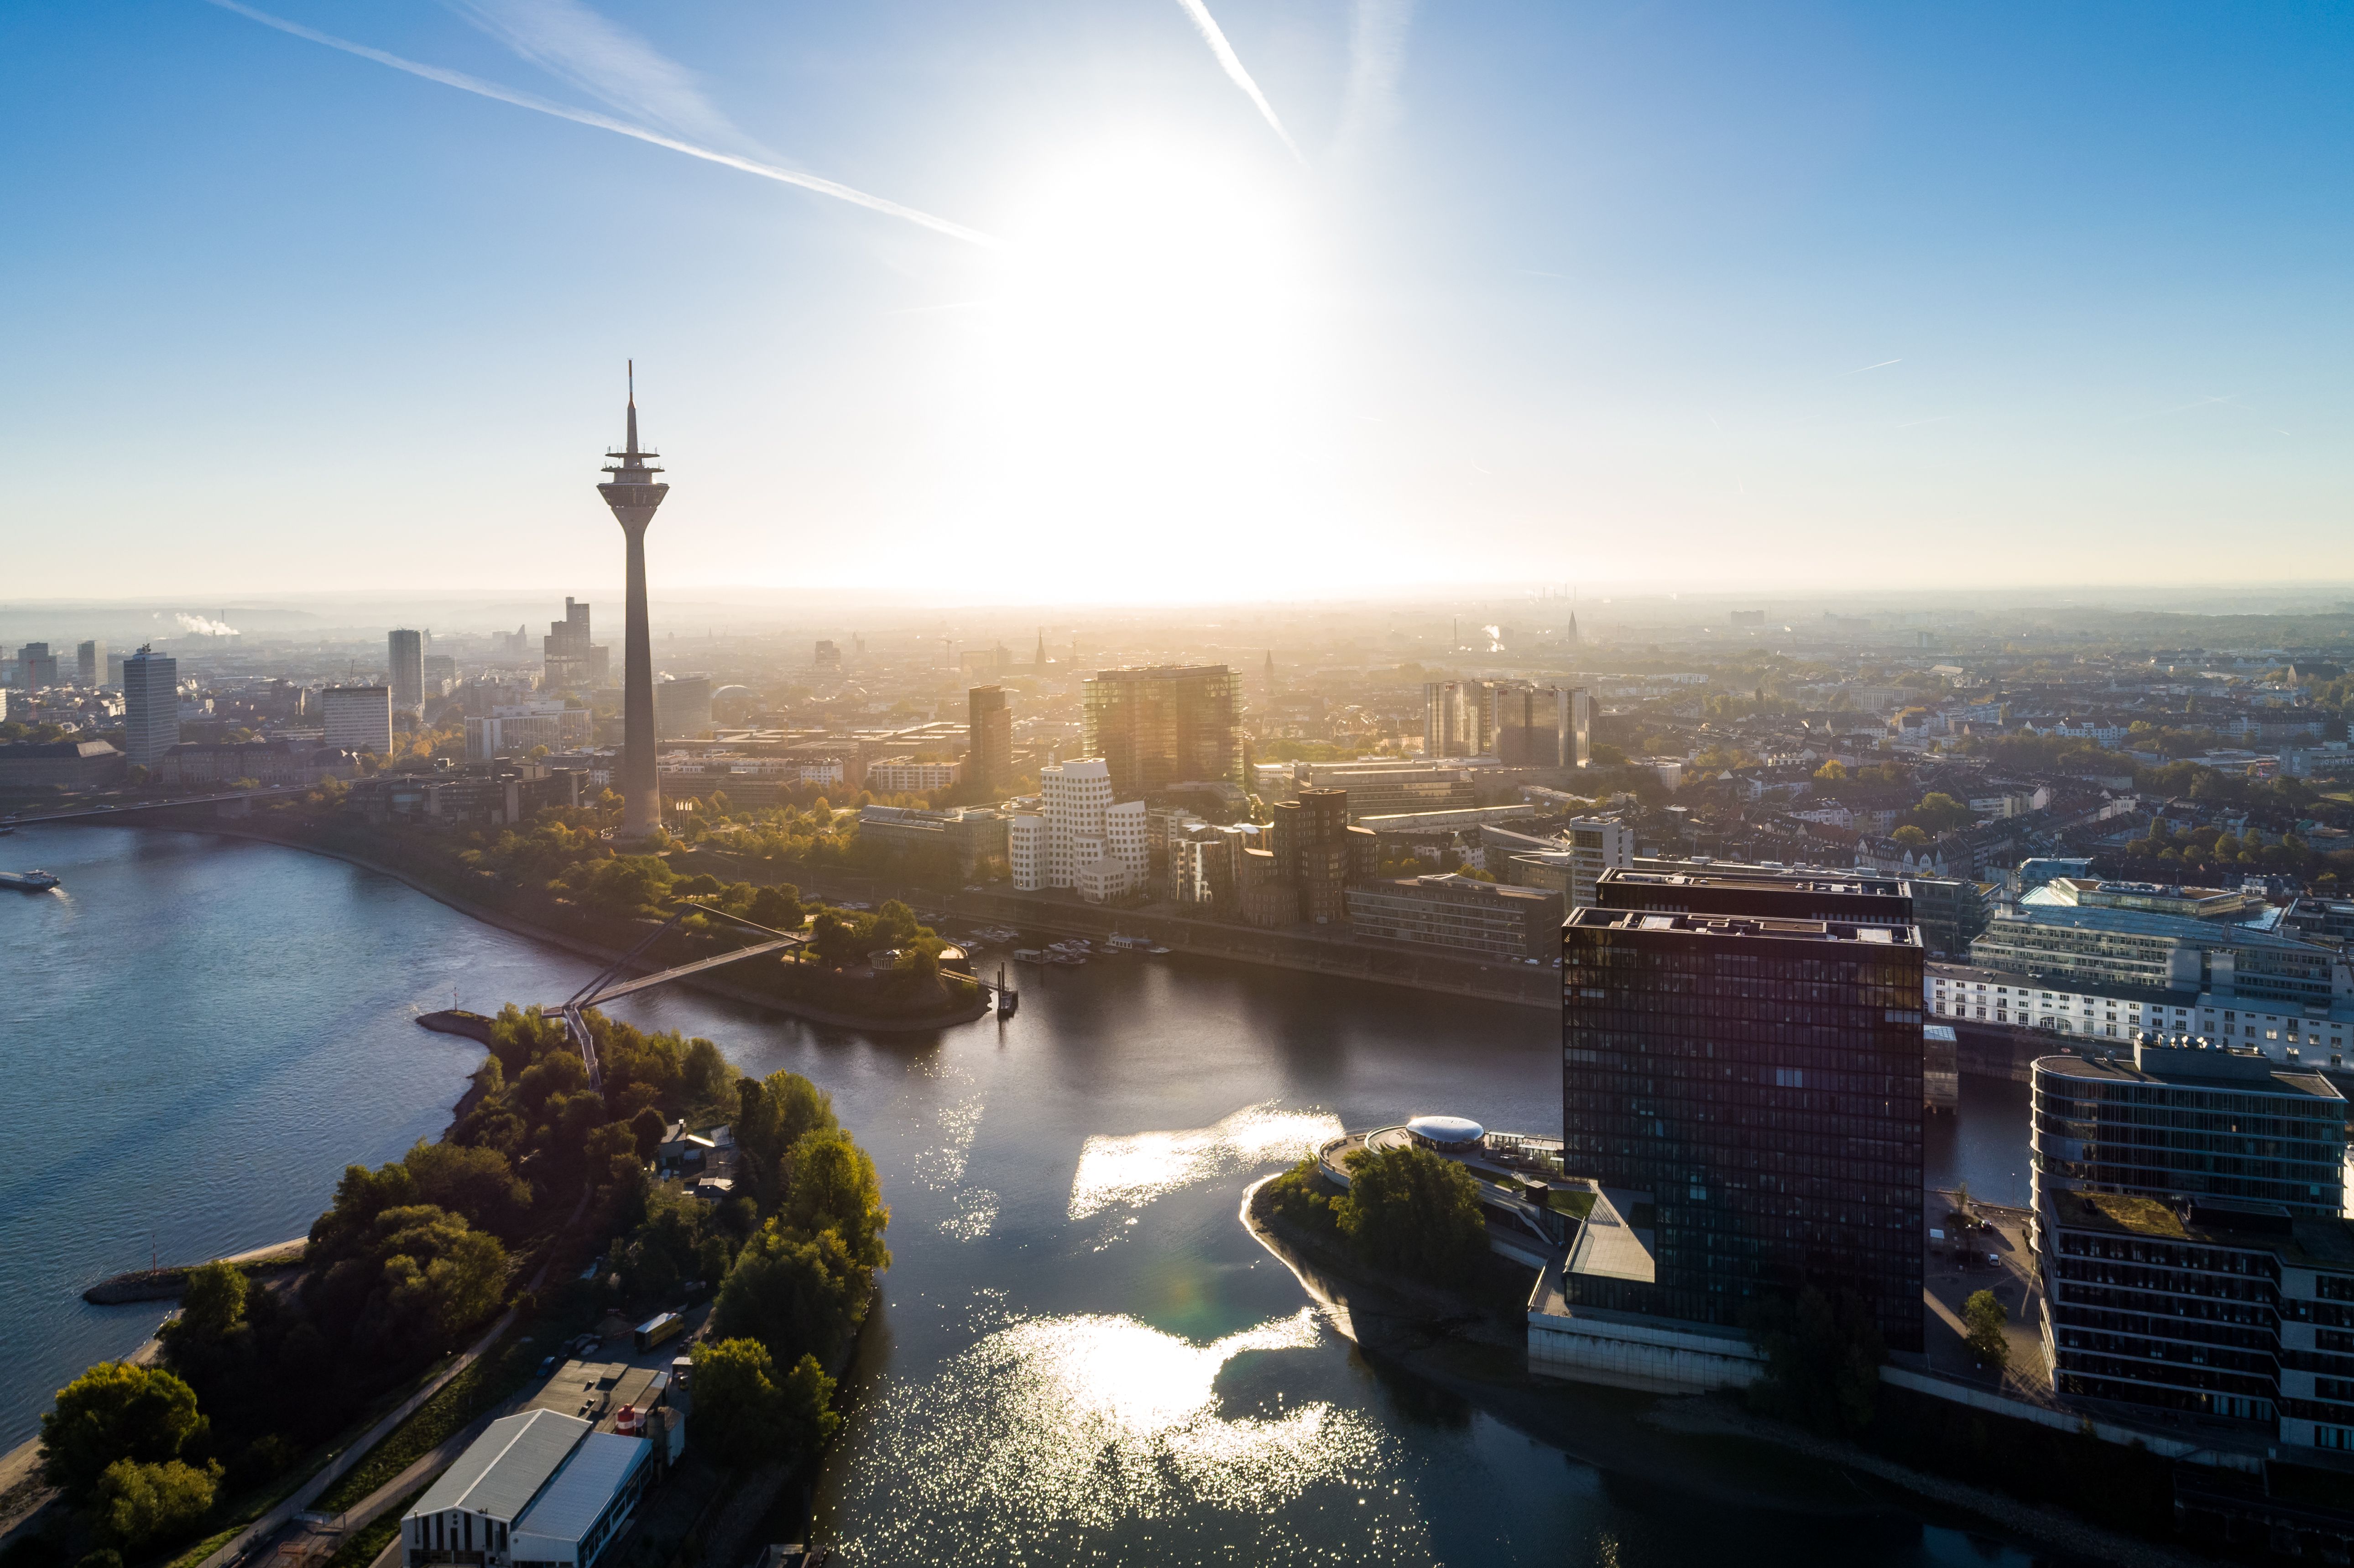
(2094, 948)
(635, 493)
(971, 833)
(1752, 1086)
(1519, 724)
(89, 664)
(1856, 899)
(516, 729)
(1377, 789)
(2180, 1117)
(35, 666)
(989, 738)
(1455, 718)
(151, 706)
(2214, 1308)
(1079, 837)
(1459, 915)
(569, 657)
(358, 718)
(1597, 845)
(405, 658)
(1164, 725)
(1319, 854)
(683, 707)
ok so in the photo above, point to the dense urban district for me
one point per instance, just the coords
(1785, 878)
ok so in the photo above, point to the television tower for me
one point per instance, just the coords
(633, 494)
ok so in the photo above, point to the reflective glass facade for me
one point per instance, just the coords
(1760, 1080)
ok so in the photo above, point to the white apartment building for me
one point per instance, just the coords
(358, 718)
(2315, 1036)
(901, 777)
(1596, 844)
(515, 728)
(1078, 837)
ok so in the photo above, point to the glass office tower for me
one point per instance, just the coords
(1162, 726)
(1753, 1084)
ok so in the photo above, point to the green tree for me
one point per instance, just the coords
(475, 1182)
(749, 1415)
(212, 1307)
(1939, 813)
(140, 1504)
(648, 1126)
(1412, 1210)
(116, 1411)
(778, 907)
(832, 1186)
(1831, 772)
(1910, 837)
(794, 1292)
(1822, 1362)
(1984, 1318)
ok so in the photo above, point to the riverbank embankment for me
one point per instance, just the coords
(257, 830)
(1478, 1354)
(1300, 949)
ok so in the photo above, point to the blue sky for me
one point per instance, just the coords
(1814, 295)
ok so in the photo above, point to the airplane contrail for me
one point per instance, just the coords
(475, 84)
(1230, 61)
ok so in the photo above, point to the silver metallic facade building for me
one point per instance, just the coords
(634, 493)
(405, 659)
(151, 706)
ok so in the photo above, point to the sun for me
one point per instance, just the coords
(1150, 351)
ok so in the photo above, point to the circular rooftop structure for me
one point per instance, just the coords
(1447, 1131)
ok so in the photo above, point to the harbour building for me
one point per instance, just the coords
(1163, 725)
(2092, 947)
(2181, 1119)
(1080, 837)
(1750, 1085)
(2241, 1311)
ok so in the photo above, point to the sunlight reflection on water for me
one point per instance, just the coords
(1093, 1422)
(1135, 1168)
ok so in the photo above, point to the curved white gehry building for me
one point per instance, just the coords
(1078, 837)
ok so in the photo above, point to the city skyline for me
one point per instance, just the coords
(1622, 295)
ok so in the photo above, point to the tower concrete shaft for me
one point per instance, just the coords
(633, 494)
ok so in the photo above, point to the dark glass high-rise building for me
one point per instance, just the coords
(1753, 1082)
(1164, 725)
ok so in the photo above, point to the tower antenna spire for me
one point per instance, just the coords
(634, 408)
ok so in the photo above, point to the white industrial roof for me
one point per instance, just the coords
(568, 1507)
(500, 1471)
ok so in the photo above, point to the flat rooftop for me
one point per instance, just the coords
(1793, 882)
(1587, 919)
(2311, 1240)
(595, 1391)
(2214, 1066)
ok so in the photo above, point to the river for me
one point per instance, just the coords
(1081, 1354)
